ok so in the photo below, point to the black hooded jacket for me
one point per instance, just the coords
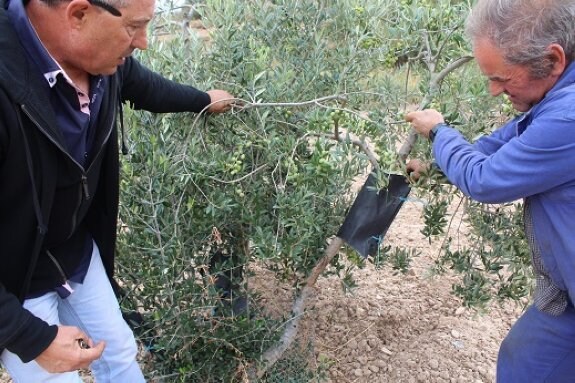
(40, 184)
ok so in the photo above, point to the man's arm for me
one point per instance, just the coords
(491, 143)
(501, 167)
(21, 332)
(531, 163)
(147, 90)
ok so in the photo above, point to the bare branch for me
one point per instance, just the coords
(448, 69)
(434, 84)
(239, 179)
(356, 142)
(243, 105)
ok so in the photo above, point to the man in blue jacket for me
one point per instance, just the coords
(526, 49)
(65, 70)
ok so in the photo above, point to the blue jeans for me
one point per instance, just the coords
(92, 307)
(539, 348)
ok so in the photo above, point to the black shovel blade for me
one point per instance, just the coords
(372, 213)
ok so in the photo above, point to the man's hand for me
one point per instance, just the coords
(65, 352)
(415, 168)
(221, 102)
(424, 120)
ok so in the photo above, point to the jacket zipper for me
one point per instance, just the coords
(62, 149)
(84, 191)
(65, 283)
(85, 186)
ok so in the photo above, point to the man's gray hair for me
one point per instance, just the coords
(115, 3)
(524, 29)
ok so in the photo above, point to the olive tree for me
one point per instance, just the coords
(322, 89)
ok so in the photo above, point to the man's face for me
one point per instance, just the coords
(513, 80)
(108, 39)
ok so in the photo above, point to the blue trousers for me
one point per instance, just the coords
(539, 348)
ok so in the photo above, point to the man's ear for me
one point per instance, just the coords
(77, 12)
(557, 58)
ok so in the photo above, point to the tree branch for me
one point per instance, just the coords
(356, 142)
(434, 84)
(243, 104)
(273, 354)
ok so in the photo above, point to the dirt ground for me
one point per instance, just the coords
(400, 328)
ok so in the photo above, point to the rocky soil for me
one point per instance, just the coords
(400, 328)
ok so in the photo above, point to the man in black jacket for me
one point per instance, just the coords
(65, 68)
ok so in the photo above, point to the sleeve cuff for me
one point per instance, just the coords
(433, 132)
(34, 338)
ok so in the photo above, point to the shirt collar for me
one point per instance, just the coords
(31, 42)
(33, 45)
